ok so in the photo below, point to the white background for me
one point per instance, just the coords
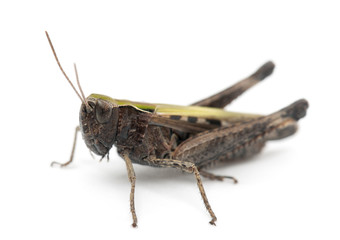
(172, 52)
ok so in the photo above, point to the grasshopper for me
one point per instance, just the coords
(188, 138)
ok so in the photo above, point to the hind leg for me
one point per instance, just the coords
(242, 140)
(225, 97)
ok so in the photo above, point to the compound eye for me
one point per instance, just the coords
(103, 111)
(92, 104)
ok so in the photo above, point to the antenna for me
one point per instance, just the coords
(83, 100)
(78, 83)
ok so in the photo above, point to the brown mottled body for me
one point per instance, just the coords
(188, 143)
(144, 138)
(221, 144)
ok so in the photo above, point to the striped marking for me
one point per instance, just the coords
(214, 122)
(175, 117)
(192, 119)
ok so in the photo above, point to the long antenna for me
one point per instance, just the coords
(78, 83)
(62, 70)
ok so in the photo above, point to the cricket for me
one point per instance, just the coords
(188, 138)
